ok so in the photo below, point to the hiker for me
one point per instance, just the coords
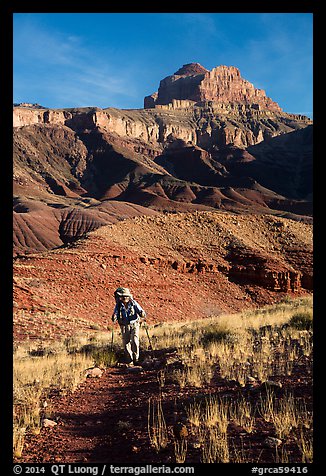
(128, 313)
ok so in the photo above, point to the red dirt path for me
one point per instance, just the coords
(105, 420)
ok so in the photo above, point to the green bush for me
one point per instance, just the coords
(301, 321)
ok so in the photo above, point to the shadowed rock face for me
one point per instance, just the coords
(220, 144)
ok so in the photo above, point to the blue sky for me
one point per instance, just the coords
(115, 59)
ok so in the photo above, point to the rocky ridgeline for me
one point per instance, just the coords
(195, 105)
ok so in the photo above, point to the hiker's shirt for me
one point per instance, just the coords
(129, 314)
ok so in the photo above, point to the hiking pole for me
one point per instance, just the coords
(112, 341)
(149, 339)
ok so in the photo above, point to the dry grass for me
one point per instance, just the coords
(157, 429)
(241, 412)
(18, 440)
(305, 444)
(215, 414)
(256, 344)
(241, 454)
(216, 448)
(40, 369)
(285, 416)
(180, 450)
(194, 413)
(266, 406)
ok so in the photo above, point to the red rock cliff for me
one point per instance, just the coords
(222, 85)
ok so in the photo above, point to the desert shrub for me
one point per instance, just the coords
(102, 355)
(301, 321)
(216, 334)
(40, 352)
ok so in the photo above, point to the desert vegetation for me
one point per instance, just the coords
(255, 351)
(237, 377)
(51, 368)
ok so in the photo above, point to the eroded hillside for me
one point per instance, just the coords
(179, 266)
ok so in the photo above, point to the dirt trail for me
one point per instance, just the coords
(104, 420)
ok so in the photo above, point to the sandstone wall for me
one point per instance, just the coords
(26, 117)
(128, 126)
(148, 128)
(204, 124)
(23, 116)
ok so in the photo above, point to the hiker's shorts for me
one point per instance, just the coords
(130, 340)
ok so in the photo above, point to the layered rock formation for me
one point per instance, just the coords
(210, 140)
(223, 86)
(203, 197)
(38, 226)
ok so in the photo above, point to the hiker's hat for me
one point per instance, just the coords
(123, 292)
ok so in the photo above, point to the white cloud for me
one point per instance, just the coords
(65, 67)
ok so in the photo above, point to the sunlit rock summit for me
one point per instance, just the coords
(223, 88)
